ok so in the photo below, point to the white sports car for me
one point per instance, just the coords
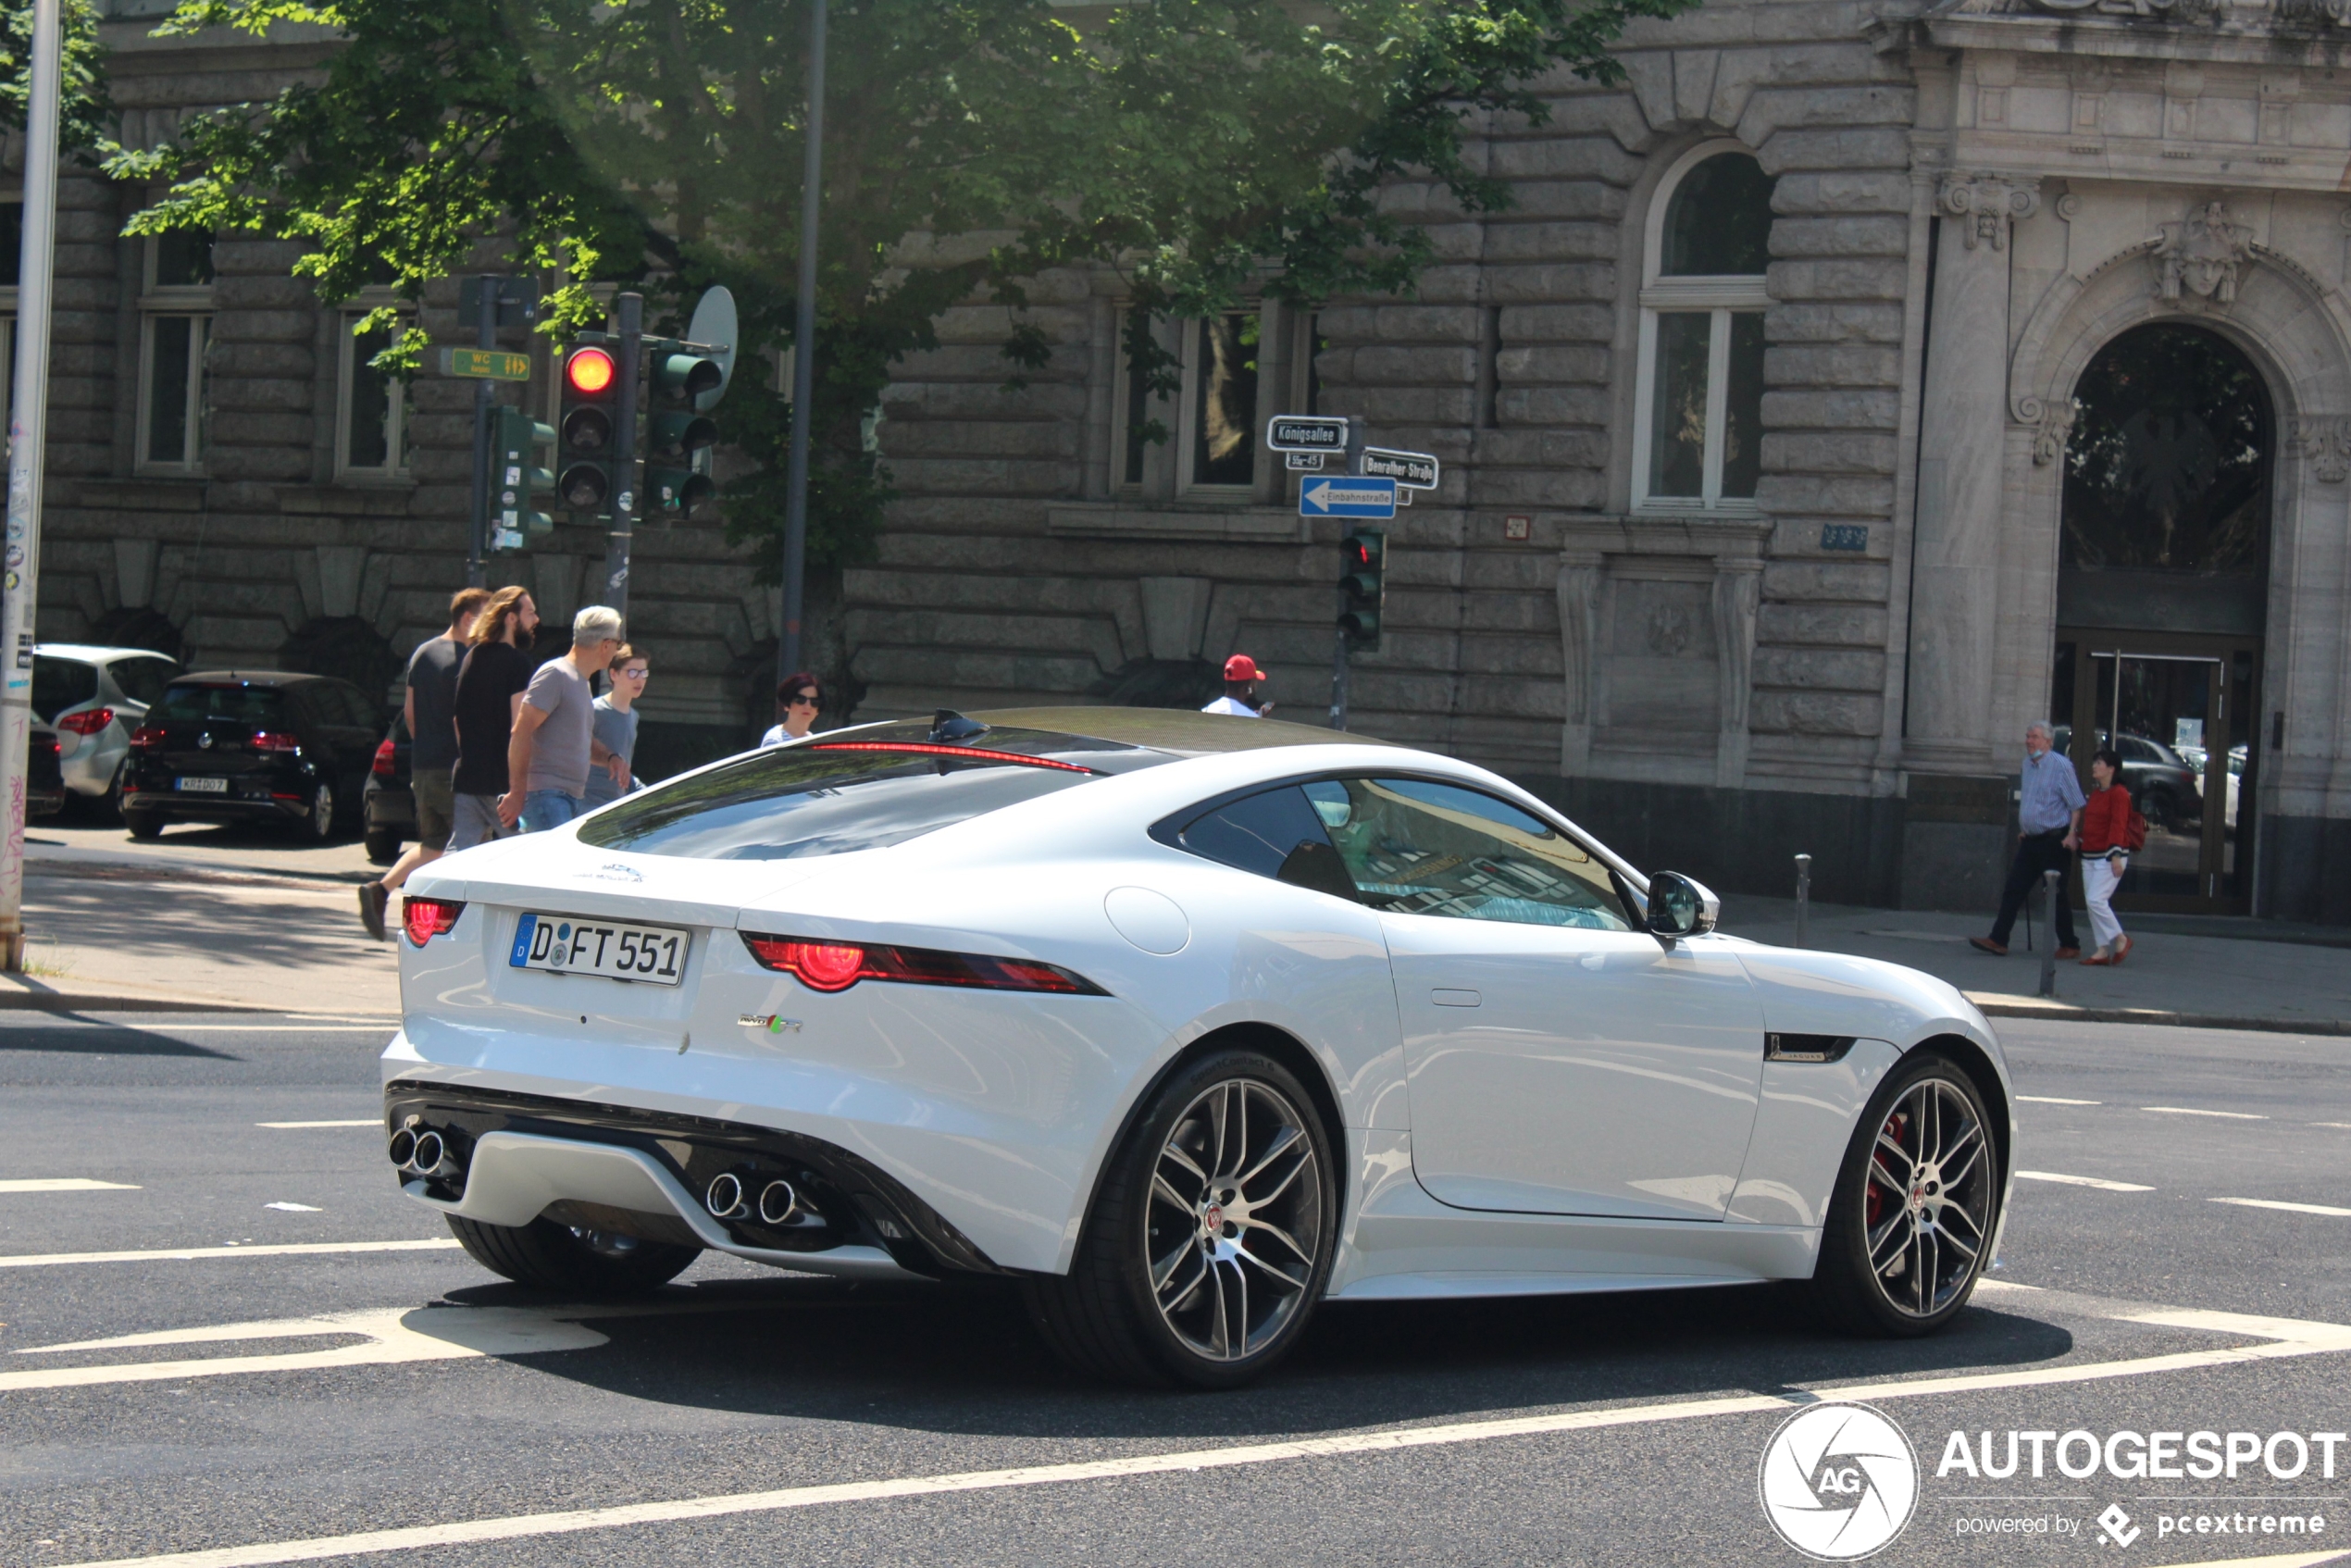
(1183, 1023)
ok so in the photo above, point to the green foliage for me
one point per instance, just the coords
(1209, 149)
(83, 109)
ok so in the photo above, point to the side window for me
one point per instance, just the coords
(142, 680)
(1418, 848)
(1275, 834)
(352, 706)
(60, 683)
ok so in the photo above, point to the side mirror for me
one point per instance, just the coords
(1680, 907)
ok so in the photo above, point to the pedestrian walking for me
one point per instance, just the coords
(2111, 828)
(489, 688)
(798, 697)
(1241, 676)
(429, 710)
(554, 741)
(2048, 810)
(617, 727)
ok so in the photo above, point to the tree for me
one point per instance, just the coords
(1202, 147)
(83, 109)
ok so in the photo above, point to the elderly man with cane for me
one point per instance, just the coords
(2048, 810)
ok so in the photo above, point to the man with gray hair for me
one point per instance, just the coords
(554, 741)
(2048, 810)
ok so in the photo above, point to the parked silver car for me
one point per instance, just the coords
(93, 698)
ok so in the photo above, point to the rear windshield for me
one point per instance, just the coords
(825, 797)
(58, 684)
(242, 704)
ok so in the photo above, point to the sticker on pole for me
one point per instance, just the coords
(1347, 498)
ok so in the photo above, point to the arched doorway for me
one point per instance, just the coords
(2162, 589)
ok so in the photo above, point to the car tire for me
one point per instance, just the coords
(1200, 1261)
(318, 823)
(143, 824)
(589, 1265)
(383, 848)
(1907, 1238)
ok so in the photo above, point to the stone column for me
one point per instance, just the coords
(1962, 434)
(1579, 595)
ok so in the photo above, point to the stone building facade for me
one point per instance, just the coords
(1855, 384)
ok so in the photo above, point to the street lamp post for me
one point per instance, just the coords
(20, 587)
(803, 358)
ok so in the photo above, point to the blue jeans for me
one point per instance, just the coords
(542, 809)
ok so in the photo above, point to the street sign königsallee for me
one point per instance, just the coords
(1306, 432)
(1414, 470)
(1347, 498)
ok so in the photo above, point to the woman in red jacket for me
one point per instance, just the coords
(2105, 825)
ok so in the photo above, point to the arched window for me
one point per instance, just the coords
(1698, 411)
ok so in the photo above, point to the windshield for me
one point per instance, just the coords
(242, 704)
(835, 795)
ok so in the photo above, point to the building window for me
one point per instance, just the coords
(371, 442)
(1699, 401)
(175, 331)
(1210, 424)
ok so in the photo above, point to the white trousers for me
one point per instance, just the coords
(2099, 876)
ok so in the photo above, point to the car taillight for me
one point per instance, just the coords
(147, 738)
(428, 918)
(835, 966)
(46, 743)
(274, 740)
(385, 759)
(89, 721)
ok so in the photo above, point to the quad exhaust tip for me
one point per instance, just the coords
(779, 1205)
(727, 1198)
(423, 1152)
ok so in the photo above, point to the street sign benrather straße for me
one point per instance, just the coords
(1414, 470)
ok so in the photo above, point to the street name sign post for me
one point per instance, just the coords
(1366, 497)
(486, 364)
(1412, 470)
(1306, 432)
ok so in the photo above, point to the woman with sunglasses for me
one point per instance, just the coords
(615, 720)
(797, 700)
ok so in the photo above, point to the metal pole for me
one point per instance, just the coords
(1338, 675)
(803, 356)
(478, 543)
(624, 445)
(2049, 919)
(1803, 899)
(20, 588)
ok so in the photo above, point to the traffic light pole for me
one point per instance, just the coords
(804, 359)
(1354, 464)
(631, 313)
(478, 542)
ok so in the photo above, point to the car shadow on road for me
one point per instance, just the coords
(109, 1038)
(963, 1359)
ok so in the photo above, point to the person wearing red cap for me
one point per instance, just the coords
(1241, 676)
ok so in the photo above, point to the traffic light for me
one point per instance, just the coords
(585, 456)
(1363, 582)
(679, 435)
(523, 478)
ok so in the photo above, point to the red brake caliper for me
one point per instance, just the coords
(1882, 1176)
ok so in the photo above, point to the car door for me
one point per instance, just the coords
(1559, 1060)
(348, 720)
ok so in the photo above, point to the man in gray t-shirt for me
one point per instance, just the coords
(554, 736)
(430, 711)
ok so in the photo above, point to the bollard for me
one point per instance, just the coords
(2048, 923)
(1803, 899)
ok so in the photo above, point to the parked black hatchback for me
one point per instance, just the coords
(250, 746)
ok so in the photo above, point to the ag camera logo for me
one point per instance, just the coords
(1839, 1482)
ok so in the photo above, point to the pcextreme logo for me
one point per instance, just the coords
(1839, 1481)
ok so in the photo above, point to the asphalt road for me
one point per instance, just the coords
(359, 1390)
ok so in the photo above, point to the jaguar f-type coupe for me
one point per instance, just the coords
(1180, 1023)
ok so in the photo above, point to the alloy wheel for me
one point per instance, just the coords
(322, 812)
(1234, 1229)
(1928, 1203)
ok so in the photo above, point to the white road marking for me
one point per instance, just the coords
(362, 1122)
(2282, 1337)
(2052, 1100)
(2289, 1208)
(291, 1249)
(295, 1207)
(2099, 1182)
(2291, 1559)
(2186, 1111)
(65, 1184)
(2330, 1124)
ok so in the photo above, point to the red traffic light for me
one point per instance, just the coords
(589, 371)
(1359, 554)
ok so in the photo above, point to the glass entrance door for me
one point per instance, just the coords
(2179, 710)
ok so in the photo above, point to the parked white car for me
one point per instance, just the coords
(94, 697)
(1185, 1023)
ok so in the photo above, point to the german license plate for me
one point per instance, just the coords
(615, 949)
(202, 785)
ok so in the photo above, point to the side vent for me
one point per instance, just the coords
(1806, 1048)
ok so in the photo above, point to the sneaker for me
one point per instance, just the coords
(1986, 944)
(2122, 948)
(374, 898)
(2068, 952)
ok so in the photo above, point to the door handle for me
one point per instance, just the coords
(1446, 998)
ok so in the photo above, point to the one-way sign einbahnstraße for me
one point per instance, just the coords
(1347, 498)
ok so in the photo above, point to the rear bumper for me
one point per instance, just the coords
(642, 1173)
(214, 808)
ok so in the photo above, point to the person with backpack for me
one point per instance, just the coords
(2111, 828)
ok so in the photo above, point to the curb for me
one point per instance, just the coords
(2060, 1012)
(94, 1002)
